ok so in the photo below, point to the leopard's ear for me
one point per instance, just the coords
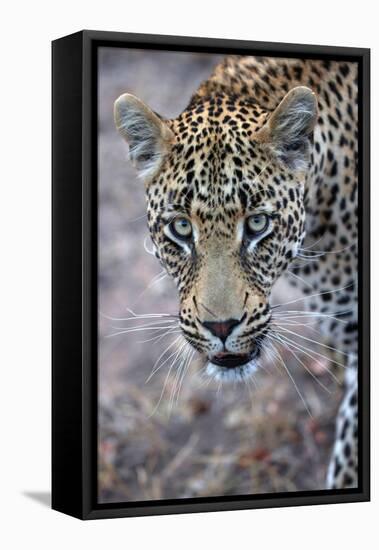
(148, 136)
(288, 130)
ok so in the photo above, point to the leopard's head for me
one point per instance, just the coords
(225, 188)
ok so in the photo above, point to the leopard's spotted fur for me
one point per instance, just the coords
(274, 141)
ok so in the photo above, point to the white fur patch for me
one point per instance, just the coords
(235, 374)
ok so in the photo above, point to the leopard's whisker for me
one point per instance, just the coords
(313, 244)
(271, 358)
(276, 351)
(179, 367)
(133, 220)
(311, 351)
(129, 331)
(295, 324)
(160, 337)
(294, 354)
(153, 324)
(306, 312)
(155, 280)
(313, 295)
(151, 251)
(166, 379)
(155, 367)
(312, 316)
(314, 341)
(142, 317)
(323, 252)
(298, 265)
(247, 381)
(189, 361)
(157, 276)
(306, 283)
(291, 313)
(288, 344)
(308, 259)
(178, 364)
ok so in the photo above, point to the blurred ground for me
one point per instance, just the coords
(211, 441)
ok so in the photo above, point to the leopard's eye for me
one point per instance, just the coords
(181, 228)
(257, 224)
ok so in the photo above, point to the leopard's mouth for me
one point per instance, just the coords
(230, 360)
(232, 366)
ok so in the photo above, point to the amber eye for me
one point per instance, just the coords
(181, 228)
(257, 224)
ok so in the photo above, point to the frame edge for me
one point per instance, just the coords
(67, 386)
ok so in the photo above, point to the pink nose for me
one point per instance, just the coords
(221, 329)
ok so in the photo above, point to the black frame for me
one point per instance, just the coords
(74, 333)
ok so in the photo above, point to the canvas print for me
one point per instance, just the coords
(227, 262)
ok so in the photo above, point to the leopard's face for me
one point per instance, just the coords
(226, 215)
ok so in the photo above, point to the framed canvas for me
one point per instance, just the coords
(210, 275)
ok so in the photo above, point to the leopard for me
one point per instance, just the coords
(243, 188)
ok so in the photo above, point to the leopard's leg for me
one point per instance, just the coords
(343, 467)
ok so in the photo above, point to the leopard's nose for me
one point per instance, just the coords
(221, 329)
